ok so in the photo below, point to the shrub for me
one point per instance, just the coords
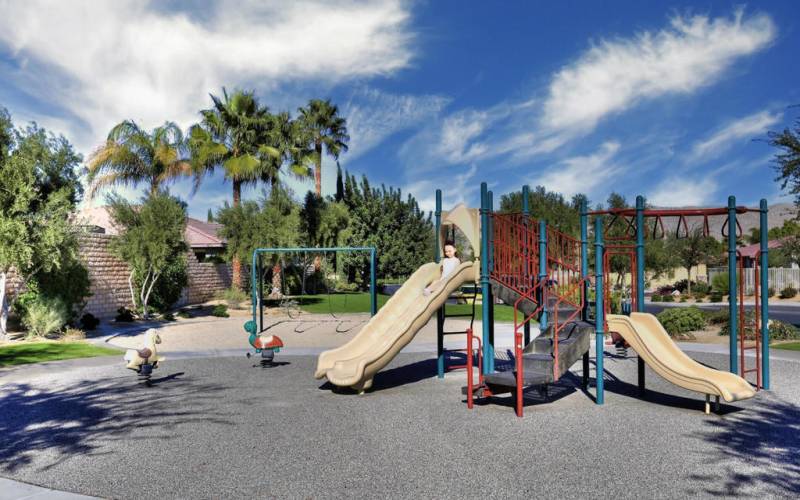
(679, 321)
(184, 314)
(169, 286)
(45, 316)
(683, 298)
(124, 315)
(665, 289)
(74, 334)
(720, 282)
(655, 298)
(668, 298)
(701, 287)
(168, 316)
(788, 292)
(683, 285)
(699, 296)
(233, 296)
(717, 316)
(715, 297)
(89, 321)
(778, 330)
(770, 292)
(220, 311)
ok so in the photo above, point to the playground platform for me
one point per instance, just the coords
(220, 427)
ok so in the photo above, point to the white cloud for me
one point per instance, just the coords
(456, 188)
(736, 130)
(373, 116)
(614, 75)
(101, 62)
(683, 191)
(583, 174)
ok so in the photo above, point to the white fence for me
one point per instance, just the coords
(779, 278)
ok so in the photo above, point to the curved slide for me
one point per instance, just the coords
(649, 339)
(392, 328)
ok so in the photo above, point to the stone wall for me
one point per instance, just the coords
(205, 280)
(109, 278)
(108, 275)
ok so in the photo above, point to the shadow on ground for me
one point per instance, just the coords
(54, 424)
(767, 438)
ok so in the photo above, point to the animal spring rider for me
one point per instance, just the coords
(144, 360)
(266, 345)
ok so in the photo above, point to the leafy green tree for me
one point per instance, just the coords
(38, 194)
(547, 205)
(131, 155)
(692, 251)
(787, 160)
(339, 196)
(323, 127)
(401, 232)
(151, 240)
(240, 136)
(210, 216)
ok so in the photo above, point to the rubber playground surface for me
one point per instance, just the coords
(224, 427)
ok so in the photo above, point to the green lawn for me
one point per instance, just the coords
(359, 303)
(38, 352)
(790, 346)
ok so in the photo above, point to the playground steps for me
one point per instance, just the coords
(510, 296)
(573, 342)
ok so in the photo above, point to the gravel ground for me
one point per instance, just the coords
(224, 428)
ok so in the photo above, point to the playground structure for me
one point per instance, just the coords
(355, 363)
(143, 361)
(258, 270)
(544, 273)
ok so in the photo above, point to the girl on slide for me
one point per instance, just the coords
(449, 264)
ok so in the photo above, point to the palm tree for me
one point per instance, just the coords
(246, 141)
(324, 127)
(130, 155)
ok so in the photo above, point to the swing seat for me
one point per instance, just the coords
(268, 342)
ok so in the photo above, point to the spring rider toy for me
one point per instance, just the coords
(266, 345)
(144, 360)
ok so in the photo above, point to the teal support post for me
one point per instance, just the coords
(488, 349)
(543, 274)
(732, 286)
(490, 201)
(585, 259)
(764, 295)
(599, 321)
(639, 277)
(437, 257)
(526, 213)
(373, 282)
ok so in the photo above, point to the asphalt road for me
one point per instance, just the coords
(787, 314)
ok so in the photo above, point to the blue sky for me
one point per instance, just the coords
(655, 98)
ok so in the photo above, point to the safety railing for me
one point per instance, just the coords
(476, 352)
(749, 329)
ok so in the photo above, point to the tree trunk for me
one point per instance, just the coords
(689, 280)
(318, 170)
(3, 306)
(130, 286)
(277, 291)
(236, 264)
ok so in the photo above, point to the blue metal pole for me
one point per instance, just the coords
(639, 277)
(373, 282)
(488, 349)
(732, 286)
(490, 200)
(526, 212)
(440, 313)
(585, 259)
(599, 323)
(543, 273)
(764, 295)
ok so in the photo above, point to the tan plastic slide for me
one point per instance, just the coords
(648, 338)
(392, 328)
